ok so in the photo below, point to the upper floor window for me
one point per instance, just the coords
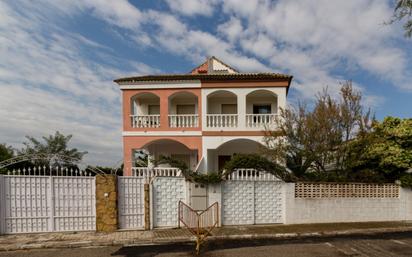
(262, 109)
(229, 109)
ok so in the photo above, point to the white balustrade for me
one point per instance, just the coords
(183, 121)
(260, 120)
(145, 121)
(147, 172)
(252, 175)
(221, 120)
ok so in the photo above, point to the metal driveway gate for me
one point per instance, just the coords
(32, 203)
(251, 197)
(131, 202)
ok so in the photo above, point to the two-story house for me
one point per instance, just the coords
(203, 117)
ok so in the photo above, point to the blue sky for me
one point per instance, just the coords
(58, 58)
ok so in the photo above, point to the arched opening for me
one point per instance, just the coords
(152, 151)
(183, 110)
(145, 110)
(222, 109)
(217, 158)
(261, 108)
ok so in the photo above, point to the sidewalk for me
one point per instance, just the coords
(167, 236)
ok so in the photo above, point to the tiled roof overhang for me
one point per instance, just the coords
(226, 77)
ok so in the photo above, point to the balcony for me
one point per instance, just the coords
(260, 120)
(183, 110)
(147, 172)
(145, 121)
(221, 120)
(183, 120)
(222, 110)
(145, 108)
(261, 109)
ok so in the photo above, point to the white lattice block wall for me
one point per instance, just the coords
(131, 202)
(252, 202)
(268, 202)
(238, 203)
(167, 192)
(350, 190)
(347, 209)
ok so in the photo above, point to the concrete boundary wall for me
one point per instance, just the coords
(346, 209)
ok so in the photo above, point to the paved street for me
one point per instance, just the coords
(399, 244)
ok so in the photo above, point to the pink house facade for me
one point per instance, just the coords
(201, 118)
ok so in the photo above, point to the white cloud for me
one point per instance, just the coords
(120, 12)
(47, 84)
(310, 39)
(192, 7)
(231, 29)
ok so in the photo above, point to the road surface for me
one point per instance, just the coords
(387, 245)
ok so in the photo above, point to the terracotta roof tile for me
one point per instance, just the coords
(206, 77)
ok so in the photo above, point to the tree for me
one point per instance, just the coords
(54, 150)
(6, 152)
(389, 148)
(317, 140)
(141, 159)
(403, 11)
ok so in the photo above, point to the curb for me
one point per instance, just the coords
(161, 241)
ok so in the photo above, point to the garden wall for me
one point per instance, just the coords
(332, 202)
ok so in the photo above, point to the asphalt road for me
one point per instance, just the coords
(377, 246)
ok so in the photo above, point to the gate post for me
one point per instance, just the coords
(2, 205)
(146, 206)
(106, 203)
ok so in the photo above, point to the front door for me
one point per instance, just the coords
(222, 159)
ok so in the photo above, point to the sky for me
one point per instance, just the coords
(58, 58)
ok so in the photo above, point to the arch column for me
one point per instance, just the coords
(164, 112)
(211, 145)
(193, 143)
(241, 109)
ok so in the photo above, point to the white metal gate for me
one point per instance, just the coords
(251, 197)
(31, 203)
(167, 192)
(131, 202)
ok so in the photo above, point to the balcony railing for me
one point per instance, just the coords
(147, 172)
(221, 120)
(260, 120)
(184, 121)
(145, 121)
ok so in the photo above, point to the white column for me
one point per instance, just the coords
(241, 110)
(281, 99)
(204, 108)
